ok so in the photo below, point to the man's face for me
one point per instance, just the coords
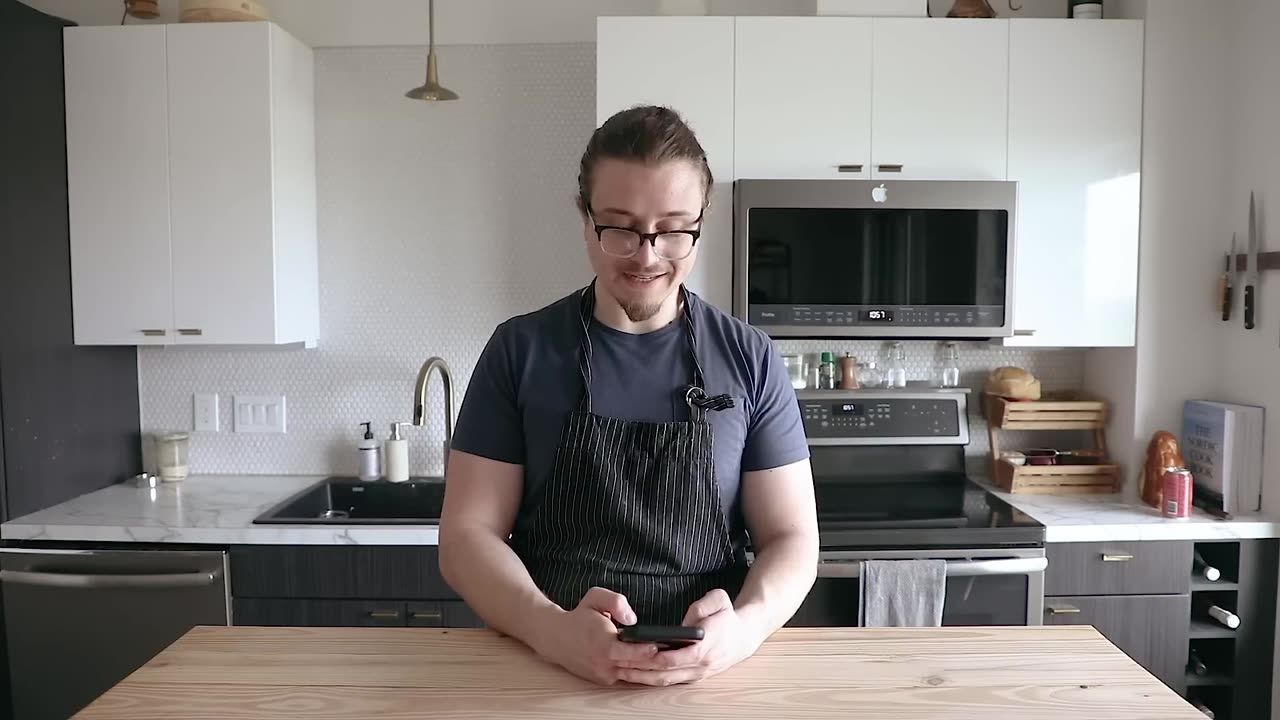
(645, 198)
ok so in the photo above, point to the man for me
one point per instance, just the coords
(626, 439)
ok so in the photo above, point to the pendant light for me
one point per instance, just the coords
(431, 89)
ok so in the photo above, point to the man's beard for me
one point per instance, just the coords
(639, 311)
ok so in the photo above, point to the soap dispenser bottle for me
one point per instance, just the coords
(397, 454)
(370, 455)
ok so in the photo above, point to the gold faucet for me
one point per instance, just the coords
(420, 399)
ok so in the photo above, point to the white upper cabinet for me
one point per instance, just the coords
(802, 100)
(1075, 148)
(118, 185)
(229, 223)
(685, 63)
(939, 104)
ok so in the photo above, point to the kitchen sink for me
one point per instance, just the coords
(351, 501)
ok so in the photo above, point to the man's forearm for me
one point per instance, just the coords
(780, 578)
(489, 576)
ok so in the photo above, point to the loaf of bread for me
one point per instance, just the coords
(1162, 454)
(1013, 383)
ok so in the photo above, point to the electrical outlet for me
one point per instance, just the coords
(259, 413)
(205, 407)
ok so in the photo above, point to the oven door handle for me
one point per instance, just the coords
(955, 568)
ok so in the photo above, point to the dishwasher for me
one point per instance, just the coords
(79, 621)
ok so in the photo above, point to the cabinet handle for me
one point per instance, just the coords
(426, 615)
(1116, 557)
(1061, 609)
(153, 333)
(1023, 333)
(889, 168)
(190, 331)
(384, 614)
(849, 168)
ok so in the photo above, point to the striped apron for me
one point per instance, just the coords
(633, 506)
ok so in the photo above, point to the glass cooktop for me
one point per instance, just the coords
(927, 510)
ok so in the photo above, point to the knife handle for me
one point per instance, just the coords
(1248, 307)
(1224, 286)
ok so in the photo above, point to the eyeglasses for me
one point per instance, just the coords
(622, 242)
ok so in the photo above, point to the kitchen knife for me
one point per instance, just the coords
(1251, 267)
(1224, 283)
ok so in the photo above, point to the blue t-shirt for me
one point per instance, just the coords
(527, 382)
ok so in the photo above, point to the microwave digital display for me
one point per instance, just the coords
(877, 316)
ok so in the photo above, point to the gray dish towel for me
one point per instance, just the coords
(902, 593)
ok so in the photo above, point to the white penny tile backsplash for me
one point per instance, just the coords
(436, 223)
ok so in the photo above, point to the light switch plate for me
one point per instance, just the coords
(205, 407)
(259, 413)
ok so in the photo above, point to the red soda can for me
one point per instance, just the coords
(1175, 493)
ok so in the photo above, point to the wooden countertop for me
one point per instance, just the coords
(250, 673)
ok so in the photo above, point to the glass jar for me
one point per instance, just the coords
(949, 372)
(869, 375)
(172, 453)
(895, 375)
(796, 371)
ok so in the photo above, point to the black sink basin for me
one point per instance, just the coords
(350, 501)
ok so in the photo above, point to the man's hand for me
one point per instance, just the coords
(730, 638)
(585, 641)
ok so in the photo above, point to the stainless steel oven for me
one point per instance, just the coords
(860, 258)
(984, 586)
(890, 484)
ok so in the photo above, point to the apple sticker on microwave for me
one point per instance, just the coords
(879, 194)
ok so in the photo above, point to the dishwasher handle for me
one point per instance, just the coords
(955, 568)
(152, 581)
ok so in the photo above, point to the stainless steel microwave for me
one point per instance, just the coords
(864, 258)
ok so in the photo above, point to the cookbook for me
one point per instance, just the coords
(1222, 445)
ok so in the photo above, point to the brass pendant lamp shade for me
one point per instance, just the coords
(431, 89)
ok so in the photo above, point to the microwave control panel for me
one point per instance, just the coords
(868, 316)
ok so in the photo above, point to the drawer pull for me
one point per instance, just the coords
(1116, 557)
(385, 614)
(1062, 609)
(153, 333)
(889, 168)
(1023, 333)
(426, 615)
(190, 331)
(849, 168)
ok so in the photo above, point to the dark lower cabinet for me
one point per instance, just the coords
(347, 586)
(1151, 629)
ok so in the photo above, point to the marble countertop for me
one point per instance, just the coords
(1121, 517)
(203, 509)
(219, 510)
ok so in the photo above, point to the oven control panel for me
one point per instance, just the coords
(884, 418)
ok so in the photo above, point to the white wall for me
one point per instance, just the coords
(1249, 361)
(1185, 172)
(330, 23)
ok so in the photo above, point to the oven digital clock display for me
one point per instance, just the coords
(846, 409)
(877, 316)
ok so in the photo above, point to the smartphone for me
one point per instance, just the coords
(666, 637)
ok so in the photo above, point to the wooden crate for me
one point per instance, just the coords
(1064, 411)
(1057, 479)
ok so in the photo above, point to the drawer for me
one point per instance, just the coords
(1127, 568)
(291, 612)
(343, 572)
